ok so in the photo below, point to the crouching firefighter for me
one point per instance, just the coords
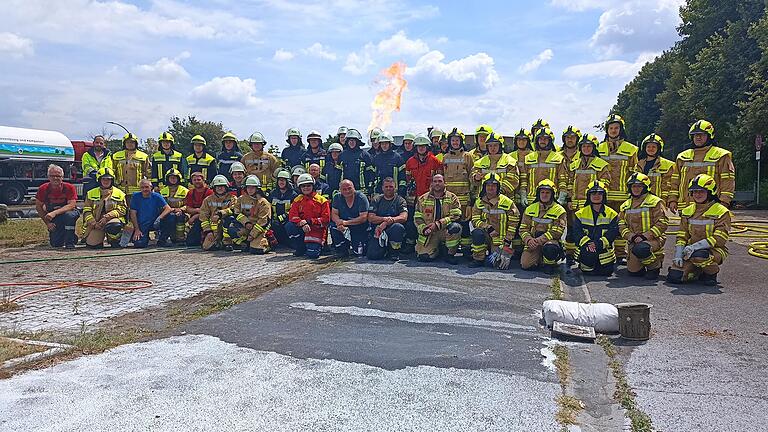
(212, 215)
(173, 227)
(308, 219)
(437, 218)
(253, 213)
(643, 224)
(704, 231)
(387, 214)
(541, 228)
(104, 211)
(596, 227)
(494, 222)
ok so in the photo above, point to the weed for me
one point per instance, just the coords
(624, 394)
(556, 288)
(23, 232)
(11, 349)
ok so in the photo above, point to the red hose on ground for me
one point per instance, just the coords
(109, 285)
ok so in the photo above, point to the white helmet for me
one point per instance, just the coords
(305, 179)
(237, 166)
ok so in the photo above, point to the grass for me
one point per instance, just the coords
(568, 406)
(556, 288)
(11, 349)
(98, 341)
(218, 305)
(624, 394)
(23, 232)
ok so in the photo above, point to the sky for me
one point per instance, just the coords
(267, 65)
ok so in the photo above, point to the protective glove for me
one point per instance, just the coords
(491, 259)
(156, 225)
(524, 197)
(678, 260)
(348, 234)
(383, 238)
(505, 257)
(690, 249)
(562, 196)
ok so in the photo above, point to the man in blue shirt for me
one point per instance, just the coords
(349, 220)
(147, 211)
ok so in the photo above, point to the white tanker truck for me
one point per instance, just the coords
(24, 158)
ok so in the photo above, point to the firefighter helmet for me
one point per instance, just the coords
(198, 139)
(374, 134)
(572, 130)
(305, 179)
(335, 147)
(385, 137)
(130, 137)
(105, 172)
(282, 173)
(297, 170)
(596, 187)
(342, 130)
(237, 166)
(484, 129)
(490, 178)
(639, 178)
(314, 135)
(172, 172)
(421, 140)
(525, 134)
(353, 134)
(545, 184)
(539, 124)
(409, 136)
(252, 180)
(166, 136)
(703, 182)
(702, 126)
(589, 139)
(545, 131)
(652, 138)
(435, 132)
(257, 137)
(493, 137)
(229, 136)
(219, 180)
(456, 132)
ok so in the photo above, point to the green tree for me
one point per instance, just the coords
(183, 129)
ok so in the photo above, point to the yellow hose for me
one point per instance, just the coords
(751, 229)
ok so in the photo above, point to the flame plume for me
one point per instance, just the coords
(388, 99)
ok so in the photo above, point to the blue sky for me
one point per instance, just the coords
(268, 65)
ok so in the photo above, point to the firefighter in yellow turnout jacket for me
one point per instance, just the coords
(437, 217)
(705, 226)
(704, 157)
(457, 171)
(523, 146)
(494, 220)
(586, 168)
(643, 224)
(130, 166)
(260, 163)
(570, 151)
(660, 170)
(173, 227)
(212, 214)
(596, 227)
(497, 162)
(253, 214)
(104, 211)
(541, 227)
(545, 163)
(621, 156)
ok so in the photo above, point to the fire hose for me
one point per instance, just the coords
(107, 285)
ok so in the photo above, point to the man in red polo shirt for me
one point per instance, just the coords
(56, 203)
(194, 200)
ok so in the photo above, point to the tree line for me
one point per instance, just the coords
(717, 71)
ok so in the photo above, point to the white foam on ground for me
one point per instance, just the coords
(480, 275)
(201, 383)
(409, 317)
(362, 280)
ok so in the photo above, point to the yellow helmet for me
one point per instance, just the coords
(703, 182)
(572, 130)
(488, 179)
(545, 184)
(199, 139)
(484, 129)
(524, 134)
(596, 187)
(229, 136)
(639, 178)
(172, 172)
(493, 137)
(166, 136)
(456, 132)
(652, 138)
(702, 126)
(615, 118)
(130, 137)
(105, 172)
(545, 132)
(540, 124)
(589, 139)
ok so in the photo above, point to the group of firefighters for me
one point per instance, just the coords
(592, 203)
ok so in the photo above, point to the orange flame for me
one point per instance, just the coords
(388, 99)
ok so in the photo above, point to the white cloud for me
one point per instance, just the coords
(360, 62)
(609, 68)
(15, 46)
(399, 44)
(228, 92)
(471, 74)
(165, 69)
(536, 62)
(94, 22)
(318, 50)
(282, 55)
(636, 26)
(580, 5)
